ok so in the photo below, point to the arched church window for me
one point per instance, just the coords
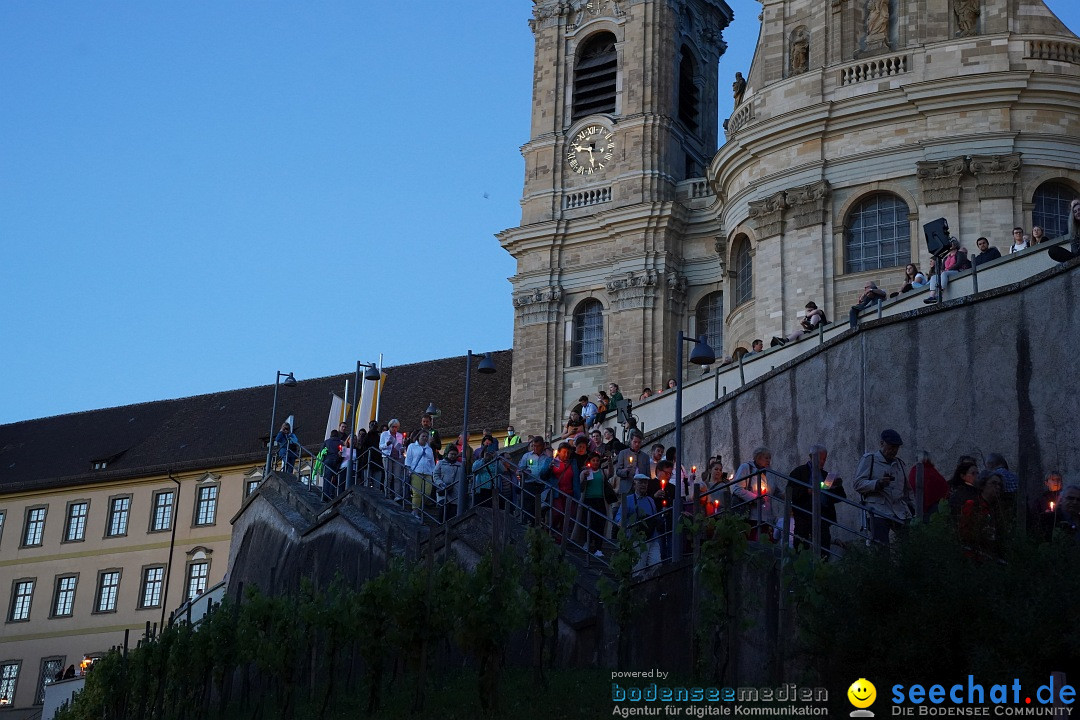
(594, 76)
(744, 272)
(877, 234)
(689, 101)
(710, 320)
(588, 343)
(1051, 211)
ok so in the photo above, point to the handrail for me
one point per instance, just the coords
(577, 525)
(657, 411)
(719, 495)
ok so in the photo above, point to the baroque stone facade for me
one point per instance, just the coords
(854, 112)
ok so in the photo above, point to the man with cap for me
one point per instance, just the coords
(512, 438)
(641, 517)
(881, 481)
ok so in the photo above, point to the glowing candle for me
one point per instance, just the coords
(1051, 506)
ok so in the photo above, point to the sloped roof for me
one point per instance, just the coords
(232, 427)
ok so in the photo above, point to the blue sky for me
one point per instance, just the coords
(194, 195)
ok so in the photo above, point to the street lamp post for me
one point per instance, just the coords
(702, 354)
(486, 366)
(372, 373)
(289, 381)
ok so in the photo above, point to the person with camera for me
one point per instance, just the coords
(881, 481)
(288, 448)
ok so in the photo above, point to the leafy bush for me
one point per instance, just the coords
(926, 609)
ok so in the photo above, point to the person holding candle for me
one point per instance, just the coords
(630, 462)
(1043, 506)
(657, 456)
(685, 479)
(751, 490)
(802, 499)
(594, 476)
(535, 473)
(716, 479)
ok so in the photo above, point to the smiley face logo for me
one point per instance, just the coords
(862, 693)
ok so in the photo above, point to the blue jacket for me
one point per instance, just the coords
(536, 468)
(286, 444)
(638, 509)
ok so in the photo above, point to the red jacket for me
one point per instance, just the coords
(935, 488)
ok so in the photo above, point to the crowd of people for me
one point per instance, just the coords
(590, 480)
(588, 483)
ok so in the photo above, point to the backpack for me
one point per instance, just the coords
(320, 461)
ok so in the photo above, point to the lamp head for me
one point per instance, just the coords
(289, 381)
(702, 354)
(487, 365)
(431, 410)
(372, 373)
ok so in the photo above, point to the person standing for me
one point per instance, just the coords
(802, 499)
(616, 399)
(420, 461)
(434, 439)
(445, 478)
(535, 473)
(751, 489)
(331, 462)
(881, 481)
(630, 462)
(594, 477)
(288, 446)
(935, 487)
(390, 444)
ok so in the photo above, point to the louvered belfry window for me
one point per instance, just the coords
(688, 91)
(594, 76)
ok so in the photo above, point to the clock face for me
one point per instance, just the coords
(590, 150)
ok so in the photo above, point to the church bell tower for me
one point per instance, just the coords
(623, 121)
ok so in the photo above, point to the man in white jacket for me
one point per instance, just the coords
(881, 481)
